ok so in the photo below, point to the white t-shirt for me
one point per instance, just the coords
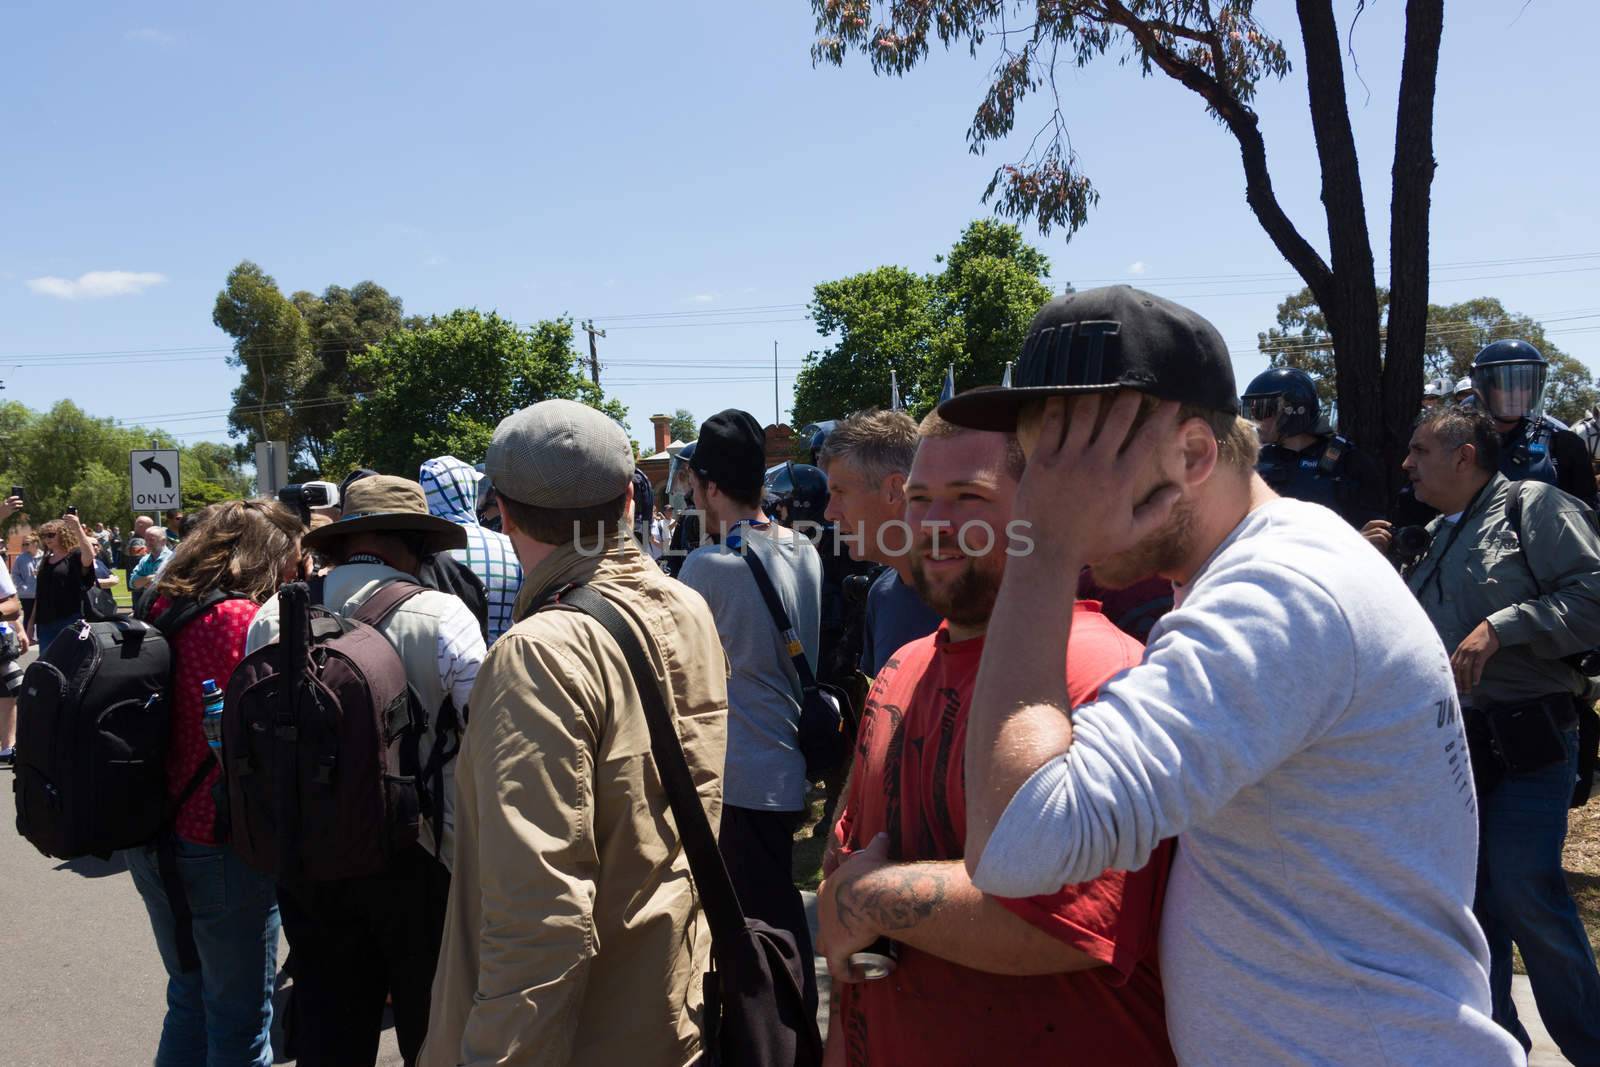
(8, 588)
(1295, 721)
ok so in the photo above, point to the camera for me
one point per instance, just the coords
(10, 652)
(1410, 543)
(307, 495)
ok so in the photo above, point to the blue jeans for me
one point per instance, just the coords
(1523, 899)
(221, 1014)
(47, 631)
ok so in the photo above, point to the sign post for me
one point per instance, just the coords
(153, 473)
(272, 467)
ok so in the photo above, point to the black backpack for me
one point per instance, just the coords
(93, 724)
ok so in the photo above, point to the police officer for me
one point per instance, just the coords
(1303, 459)
(1509, 377)
(1434, 392)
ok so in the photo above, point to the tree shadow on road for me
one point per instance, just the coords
(94, 866)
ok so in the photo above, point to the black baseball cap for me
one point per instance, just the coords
(731, 450)
(1101, 340)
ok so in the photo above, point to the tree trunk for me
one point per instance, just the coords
(1351, 302)
(1408, 230)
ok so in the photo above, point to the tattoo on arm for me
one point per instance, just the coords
(894, 898)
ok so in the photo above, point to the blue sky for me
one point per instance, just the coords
(686, 161)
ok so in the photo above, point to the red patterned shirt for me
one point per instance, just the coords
(210, 646)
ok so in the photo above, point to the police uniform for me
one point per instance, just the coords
(1541, 449)
(1331, 472)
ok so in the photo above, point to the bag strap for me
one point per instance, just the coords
(377, 608)
(791, 640)
(723, 912)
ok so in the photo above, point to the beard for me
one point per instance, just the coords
(967, 600)
(1162, 551)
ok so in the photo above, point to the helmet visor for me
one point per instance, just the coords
(1510, 390)
(1259, 408)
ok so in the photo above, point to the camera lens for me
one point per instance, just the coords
(10, 678)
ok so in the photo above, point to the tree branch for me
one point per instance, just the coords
(1409, 205)
(1243, 124)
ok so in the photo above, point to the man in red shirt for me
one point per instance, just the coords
(1065, 978)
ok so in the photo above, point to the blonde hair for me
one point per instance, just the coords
(936, 427)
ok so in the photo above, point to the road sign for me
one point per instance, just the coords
(154, 474)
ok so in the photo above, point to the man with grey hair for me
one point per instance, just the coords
(156, 555)
(867, 458)
(572, 933)
(1511, 580)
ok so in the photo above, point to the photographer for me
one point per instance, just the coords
(1512, 598)
(67, 570)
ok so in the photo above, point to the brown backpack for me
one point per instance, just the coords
(320, 735)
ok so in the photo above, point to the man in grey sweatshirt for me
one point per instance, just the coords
(1293, 722)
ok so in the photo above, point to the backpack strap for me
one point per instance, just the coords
(791, 640)
(376, 609)
(706, 865)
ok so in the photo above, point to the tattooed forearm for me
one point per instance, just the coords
(893, 898)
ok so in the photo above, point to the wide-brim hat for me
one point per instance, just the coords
(386, 504)
(1102, 340)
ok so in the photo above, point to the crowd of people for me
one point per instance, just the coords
(1290, 791)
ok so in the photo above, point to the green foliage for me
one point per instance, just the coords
(199, 493)
(684, 426)
(342, 322)
(65, 457)
(295, 358)
(442, 388)
(1217, 49)
(973, 315)
(272, 348)
(883, 318)
(1456, 332)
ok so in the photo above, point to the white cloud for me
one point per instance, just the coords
(1136, 267)
(703, 298)
(150, 35)
(96, 283)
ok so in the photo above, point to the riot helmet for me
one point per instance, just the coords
(1287, 394)
(796, 492)
(1510, 377)
(816, 435)
(1434, 391)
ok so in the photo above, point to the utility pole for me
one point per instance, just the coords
(594, 353)
(776, 411)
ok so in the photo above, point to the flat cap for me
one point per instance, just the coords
(559, 454)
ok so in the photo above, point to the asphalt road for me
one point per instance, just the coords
(81, 983)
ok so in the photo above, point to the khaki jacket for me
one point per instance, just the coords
(573, 933)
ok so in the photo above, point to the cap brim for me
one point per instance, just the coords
(995, 408)
(440, 533)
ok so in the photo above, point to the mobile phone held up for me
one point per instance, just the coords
(72, 509)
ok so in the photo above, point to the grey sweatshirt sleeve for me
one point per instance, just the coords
(1254, 665)
(1563, 552)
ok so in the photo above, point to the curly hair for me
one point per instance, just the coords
(69, 538)
(241, 546)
